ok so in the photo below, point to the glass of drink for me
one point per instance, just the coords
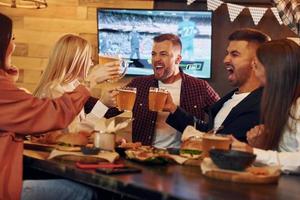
(157, 98)
(215, 141)
(105, 141)
(124, 63)
(126, 98)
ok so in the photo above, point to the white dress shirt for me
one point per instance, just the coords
(288, 154)
(227, 107)
(83, 122)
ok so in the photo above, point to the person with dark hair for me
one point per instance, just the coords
(190, 93)
(24, 114)
(238, 111)
(278, 140)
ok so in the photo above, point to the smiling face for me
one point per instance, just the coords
(239, 62)
(165, 60)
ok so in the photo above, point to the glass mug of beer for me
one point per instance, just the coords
(157, 98)
(215, 141)
(126, 98)
(103, 59)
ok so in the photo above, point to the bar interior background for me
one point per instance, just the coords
(36, 31)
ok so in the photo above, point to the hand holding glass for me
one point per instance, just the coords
(123, 64)
(126, 98)
(100, 73)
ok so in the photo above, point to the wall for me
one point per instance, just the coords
(222, 27)
(36, 31)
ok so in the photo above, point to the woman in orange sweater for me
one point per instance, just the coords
(22, 114)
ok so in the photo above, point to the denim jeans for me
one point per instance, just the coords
(59, 189)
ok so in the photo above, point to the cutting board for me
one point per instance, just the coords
(209, 169)
(38, 146)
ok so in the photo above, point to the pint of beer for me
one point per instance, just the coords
(213, 141)
(157, 99)
(126, 98)
(103, 59)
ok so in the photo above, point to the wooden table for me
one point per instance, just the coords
(167, 182)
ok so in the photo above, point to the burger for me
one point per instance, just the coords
(71, 142)
(51, 137)
(191, 148)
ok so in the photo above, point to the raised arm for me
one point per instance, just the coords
(24, 114)
(180, 119)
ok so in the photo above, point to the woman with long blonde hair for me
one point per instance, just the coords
(69, 64)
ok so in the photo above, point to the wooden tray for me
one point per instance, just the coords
(209, 169)
(38, 147)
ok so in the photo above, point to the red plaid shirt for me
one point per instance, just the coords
(195, 95)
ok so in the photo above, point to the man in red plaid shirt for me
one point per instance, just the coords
(190, 93)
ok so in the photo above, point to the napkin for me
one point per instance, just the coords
(112, 127)
(106, 155)
(190, 131)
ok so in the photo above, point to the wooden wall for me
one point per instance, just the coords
(36, 30)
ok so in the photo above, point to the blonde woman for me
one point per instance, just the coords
(69, 64)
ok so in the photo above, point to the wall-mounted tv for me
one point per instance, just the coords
(129, 33)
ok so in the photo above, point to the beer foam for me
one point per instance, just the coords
(215, 137)
(126, 90)
(158, 90)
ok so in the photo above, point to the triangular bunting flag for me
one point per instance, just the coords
(276, 14)
(234, 10)
(257, 13)
(189, 2)
(213, 4)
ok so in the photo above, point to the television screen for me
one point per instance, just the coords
(129, 34)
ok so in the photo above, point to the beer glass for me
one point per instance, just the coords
(157, 98)
(215, 141)
(126, 98)
(124, 63)
(105, 141)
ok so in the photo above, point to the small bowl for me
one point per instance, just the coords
(121, 151)
(173, 151)
(231, 159)
(90, 150)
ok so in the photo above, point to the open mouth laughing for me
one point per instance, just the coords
(230, 71)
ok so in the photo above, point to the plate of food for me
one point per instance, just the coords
(149, 155)
(252, 174)
(121, 148)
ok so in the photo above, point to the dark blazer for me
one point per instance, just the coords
(195, 95)
(241, 118)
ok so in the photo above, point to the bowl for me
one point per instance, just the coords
(121, 151)
(231, 159)
(90, 150)
(173, 150)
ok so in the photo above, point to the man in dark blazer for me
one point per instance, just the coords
(191, 93)
(238, 111)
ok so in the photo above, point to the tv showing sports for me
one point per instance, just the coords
(129, 34)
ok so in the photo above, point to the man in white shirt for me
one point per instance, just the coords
(238, 111)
